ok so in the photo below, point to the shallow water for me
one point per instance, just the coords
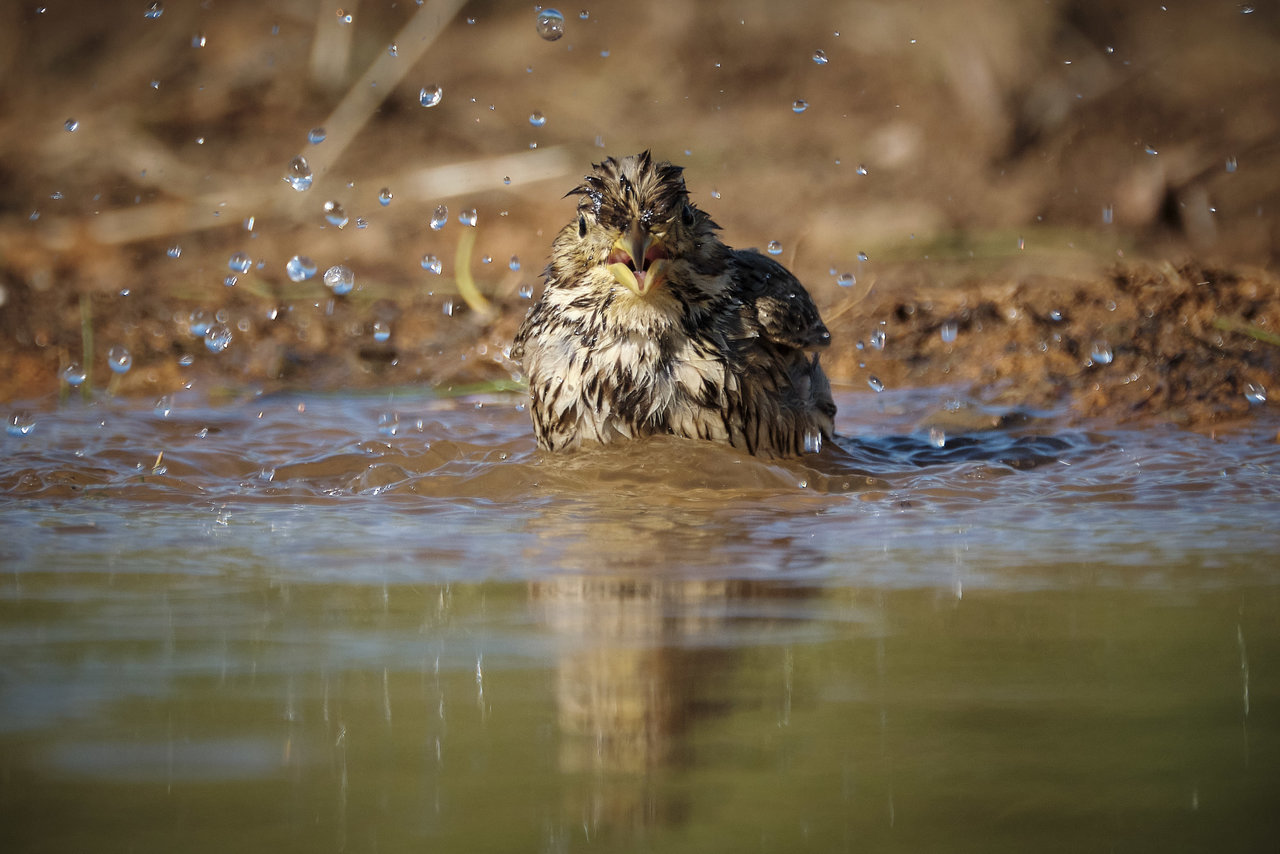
(362, 623)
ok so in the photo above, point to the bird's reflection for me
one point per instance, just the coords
(648, 644)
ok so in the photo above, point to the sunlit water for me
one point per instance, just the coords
(389, 623)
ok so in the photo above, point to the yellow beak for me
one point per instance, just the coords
(628, 261)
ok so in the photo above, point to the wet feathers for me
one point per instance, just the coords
(649, 324)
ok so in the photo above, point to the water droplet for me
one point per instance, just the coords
(154, 10)
(1231, 164)
(186, 360)
(1022, 244)
(937, 437)
(361, 222)
(468, 217)
(381, 331)
(230, 280)
(1101, 353)
(526, 291)
(20, 424)
(486, 259)
(846, 280)
(389, 423)
(74, 375)
(440, 217)
(345, 17)
(1055, 315)
(385, 196)
(198, 322)
(199, 40)
(335, 214)
(218, 337)
(239, 263)
(948, 332)
(299, 268)
(56, 195)
(875, 383)
(819, 57)
(550, 24)
(861, 170)
(813, 441)
(339, 279)
(862, 256)
(392, 50)
(315, 136)
(429, 96)
(537, 119)
(515, 263)
(1255, 393)
(71, 125)
(174, 251)
(583, 15)
(774, 248)
(799, 105)
(249, 223)
(163, 407)
(119, 359)
(447, 308)
(432, 264)
(1149, 150)
(877, 339)
(299, 175)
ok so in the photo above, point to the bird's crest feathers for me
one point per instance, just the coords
(634, 188)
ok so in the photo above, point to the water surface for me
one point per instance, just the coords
(389, 623)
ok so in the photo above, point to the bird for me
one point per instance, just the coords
(648, 325)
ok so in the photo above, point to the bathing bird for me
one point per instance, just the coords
(650, 325)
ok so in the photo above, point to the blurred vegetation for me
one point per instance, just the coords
(943, 141)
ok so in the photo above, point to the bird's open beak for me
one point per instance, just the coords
(638, 260)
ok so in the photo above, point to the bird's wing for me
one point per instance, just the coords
(783, 308)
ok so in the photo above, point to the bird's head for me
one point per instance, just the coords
(636, 220)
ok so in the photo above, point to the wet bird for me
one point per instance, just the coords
(650, 325)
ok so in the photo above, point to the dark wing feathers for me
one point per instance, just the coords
(784, 310)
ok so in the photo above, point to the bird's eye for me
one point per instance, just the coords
(686, 214)
(582, 226)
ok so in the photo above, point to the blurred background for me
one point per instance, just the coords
(162, 162)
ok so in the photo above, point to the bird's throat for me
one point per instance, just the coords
(639, 282)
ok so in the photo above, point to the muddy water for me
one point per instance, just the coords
(388, 623)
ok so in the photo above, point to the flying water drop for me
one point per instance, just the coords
(937, 437)
(550, 24)
(119, 359)
(875, 383)
(774, 248)
(153, 10)
(1255, 393)
(381, 331)
(432, 264)
(877, 339)
(819, 57)
(799, 105)
(515, 263)
(174, 251)
(526, 291)
(440, 217)
(74, 375)
(429, 96)
(71, 125)
(339, 279)
(20, 424)
(335, 214)
(299, 268)
(299, 175)
(385, 196)
(468, 217)
(315, 136)
(846, 280)
(239, 263)
(1101, 353)
(948, 332)
(217, 337)
(537, 119)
